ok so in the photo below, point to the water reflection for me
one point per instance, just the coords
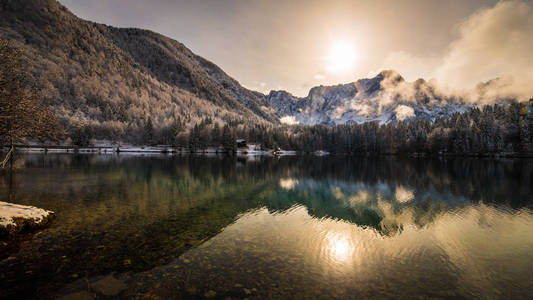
(473, 252)
(339, 247)
(403, 195)
(476, 252)
(175, 227)
(288, 183)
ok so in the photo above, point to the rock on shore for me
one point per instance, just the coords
(15, 218)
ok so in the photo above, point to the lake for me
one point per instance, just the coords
(303, 227)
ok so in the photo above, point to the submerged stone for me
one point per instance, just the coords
(83, 295)
(210, 294)
(109, 286)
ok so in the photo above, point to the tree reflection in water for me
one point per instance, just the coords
(307, 227)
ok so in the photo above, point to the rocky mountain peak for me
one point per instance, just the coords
(386, 97)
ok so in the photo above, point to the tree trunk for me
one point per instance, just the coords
(8, 156)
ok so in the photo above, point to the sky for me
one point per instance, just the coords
(295, 45)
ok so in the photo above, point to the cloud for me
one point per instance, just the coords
(361, 108)
(410, 66)
(404, 112)
(493, 47)
(494, 42)
(289, 120)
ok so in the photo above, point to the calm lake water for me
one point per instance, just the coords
(165, 227)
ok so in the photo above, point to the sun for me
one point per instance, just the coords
(341, 57)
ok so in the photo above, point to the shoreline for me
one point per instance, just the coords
(163, 149)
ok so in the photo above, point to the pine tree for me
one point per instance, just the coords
(176, 129)
(228, 140)
(216, 135)
(149, 132)
(525, 138)
(194, 139)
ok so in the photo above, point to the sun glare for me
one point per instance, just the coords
(341, 57)
(340, 247)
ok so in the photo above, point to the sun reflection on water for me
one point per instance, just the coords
(339, 247)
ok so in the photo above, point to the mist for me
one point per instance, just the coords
(490, 60)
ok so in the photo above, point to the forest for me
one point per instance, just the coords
(485, 130)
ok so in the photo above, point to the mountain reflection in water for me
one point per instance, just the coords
(295, 227)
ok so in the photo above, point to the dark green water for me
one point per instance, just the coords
(292, 227)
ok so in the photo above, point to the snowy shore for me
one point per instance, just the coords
(110, 149)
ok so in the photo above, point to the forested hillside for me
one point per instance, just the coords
(121, 84)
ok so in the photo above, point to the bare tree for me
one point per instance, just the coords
(21, 114)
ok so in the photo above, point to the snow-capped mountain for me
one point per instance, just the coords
(385, 98)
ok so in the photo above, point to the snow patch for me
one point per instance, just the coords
(9, 212)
